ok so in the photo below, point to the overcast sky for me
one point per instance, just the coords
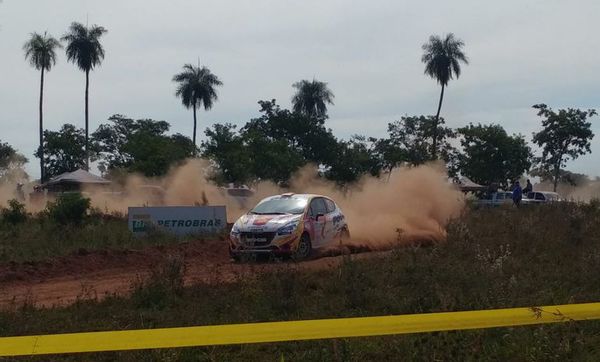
(521, 53)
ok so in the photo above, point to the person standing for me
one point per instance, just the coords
(517, 194)
(528, 188)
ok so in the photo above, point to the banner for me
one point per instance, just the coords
(179, 220)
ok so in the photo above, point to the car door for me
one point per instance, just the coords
(330, 228)
(317, 214)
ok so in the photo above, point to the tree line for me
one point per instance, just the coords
(280, 141)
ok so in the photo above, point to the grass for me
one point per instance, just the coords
(493, 258)
(39, 238)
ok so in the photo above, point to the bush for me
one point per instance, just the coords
(69, 208)
(15, 213)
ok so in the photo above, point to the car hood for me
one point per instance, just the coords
(265, 223)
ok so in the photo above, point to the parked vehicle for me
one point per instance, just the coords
(495, 199)
(288, 224)
(541, 197)
(240, 194)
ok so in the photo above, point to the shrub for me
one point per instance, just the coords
(15, 213)
(69, 208)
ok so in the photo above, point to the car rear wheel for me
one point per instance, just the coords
(304, 248)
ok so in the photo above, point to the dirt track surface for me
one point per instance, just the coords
(98, 274)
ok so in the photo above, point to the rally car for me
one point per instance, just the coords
(288, 224)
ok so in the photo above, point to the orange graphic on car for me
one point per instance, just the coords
(262, 220)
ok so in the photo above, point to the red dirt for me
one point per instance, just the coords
(97, 274)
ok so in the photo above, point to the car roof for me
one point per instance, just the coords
(296, 196)
(544, 192)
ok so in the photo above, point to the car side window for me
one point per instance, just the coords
(330, 206)
(317, 206)
(539, 196)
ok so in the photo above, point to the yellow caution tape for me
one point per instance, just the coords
(292, 331)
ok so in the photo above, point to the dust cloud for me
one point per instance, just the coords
(585, 192)
(411, 204)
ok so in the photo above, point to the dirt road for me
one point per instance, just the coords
(98, 274)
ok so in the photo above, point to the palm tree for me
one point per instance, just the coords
(41, 52)
(196, 88)
(442, 58)
(85, 51)
(311, 98)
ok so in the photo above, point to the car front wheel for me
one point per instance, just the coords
(304, 248)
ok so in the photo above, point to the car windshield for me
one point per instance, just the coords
(280, 206)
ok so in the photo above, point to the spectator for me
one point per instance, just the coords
(528, 188)
(517, 194)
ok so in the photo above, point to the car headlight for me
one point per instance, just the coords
(287, 229)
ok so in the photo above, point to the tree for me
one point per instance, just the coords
(226, 149)
(565, 177)
(41, 52)
(154, 155)
(304, 134)
(565, 135)
(271, 158)
(11, 164)
(270, 147)
(63, 150)
(418, 139)
(489, 155)
(196, 86)
(442, 58)
(311, 98)
(354, 159)
(85, 51)
(140, 145)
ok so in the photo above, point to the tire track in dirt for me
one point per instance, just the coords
(98, 274)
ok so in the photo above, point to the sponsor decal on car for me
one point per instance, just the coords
(338, 218)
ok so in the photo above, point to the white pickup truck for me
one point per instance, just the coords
(495, 199)
(541, 197)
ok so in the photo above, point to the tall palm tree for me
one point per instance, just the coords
(442, 58)
(85, 51)
(41, 52)
(196, 86)
(311, 98)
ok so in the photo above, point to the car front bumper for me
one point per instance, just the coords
(282, 246)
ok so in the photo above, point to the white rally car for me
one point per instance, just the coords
(288, 224)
